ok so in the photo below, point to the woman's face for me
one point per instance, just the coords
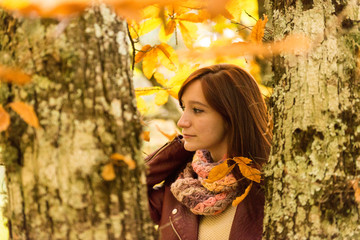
(202, 127)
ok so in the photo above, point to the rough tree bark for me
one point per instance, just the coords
(316, 112)
(82, 92)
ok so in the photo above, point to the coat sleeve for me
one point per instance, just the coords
(164, 165)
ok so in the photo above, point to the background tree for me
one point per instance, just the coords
(314, 168)
(82, 93)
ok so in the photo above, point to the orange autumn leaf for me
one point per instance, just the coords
(26, 112)
(170, 27)
(126, 159)
(168, 136)
(108, 172)
(141, 54)
(219, 171)
(167, 56)
(295, 44)
(257, 32)
(192, 17)
(4, 119)
(355, 185)
(247, 171)
(13, 75)
(242, 197)
(145, 135)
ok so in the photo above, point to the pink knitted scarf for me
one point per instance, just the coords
(201, 197)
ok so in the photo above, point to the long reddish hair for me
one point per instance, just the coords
(234, 93)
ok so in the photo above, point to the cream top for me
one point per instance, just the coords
(218, 226)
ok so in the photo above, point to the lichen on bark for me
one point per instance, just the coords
(315, 109)
(82, 93)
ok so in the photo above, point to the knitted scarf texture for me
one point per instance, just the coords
(201, 197)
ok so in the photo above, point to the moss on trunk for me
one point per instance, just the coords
(316, 114)
(84, 99)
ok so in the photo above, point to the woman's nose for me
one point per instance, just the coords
(183, 122)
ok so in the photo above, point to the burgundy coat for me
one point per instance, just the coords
(174, 219)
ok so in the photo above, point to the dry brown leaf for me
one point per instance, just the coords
(26, 112)
(4, 119)
(250, 173)
(242, 197)
(14, 75)
(126, 159)
(108, 172)
(145, 135)
(141, 54)
(257, 32)
(219, 171)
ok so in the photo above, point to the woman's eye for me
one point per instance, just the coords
(196, 110)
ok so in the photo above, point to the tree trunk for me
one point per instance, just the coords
(82, 93)
(315, 106)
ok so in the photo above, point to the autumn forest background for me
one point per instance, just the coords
(89, 88)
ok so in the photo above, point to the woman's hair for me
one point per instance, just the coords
(234, 93)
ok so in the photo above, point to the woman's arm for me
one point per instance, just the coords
(164, 164)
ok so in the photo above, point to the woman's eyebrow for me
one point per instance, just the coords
(199, 103)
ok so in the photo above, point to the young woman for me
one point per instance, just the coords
(224, 116)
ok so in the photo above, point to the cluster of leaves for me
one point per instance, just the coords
(25, 111)
(179, 21)
(244, 165)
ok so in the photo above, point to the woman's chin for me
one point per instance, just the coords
(189, 147)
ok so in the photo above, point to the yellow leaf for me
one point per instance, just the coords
(192, 17)
(142, 53)
(249, 172)
(26, 112)
(127, 159)
(242, 197)
(108, 172)
(145, 135)
(235, 9)
(148, 25)
(257, 33)
(167, 56)
(219, 171)
(147, 91)
(168, 136)
(13, 5)
(4, 119)
(141, 105)
(174, 91)
(160, 78)
(161, 97)
(13, 75)
(170, 27)
(150, 62)
(188, 33)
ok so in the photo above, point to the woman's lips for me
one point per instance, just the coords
(188, 136)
